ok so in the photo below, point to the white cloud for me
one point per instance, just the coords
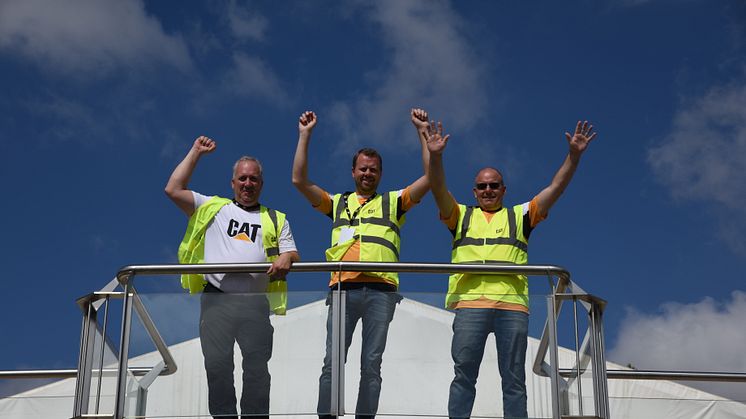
(245, 24)
(251, 76)
(68, 119)
(101, 243)
(432, 65)
(73, 120)
(703, 336)
(88, 36)
(702, 158)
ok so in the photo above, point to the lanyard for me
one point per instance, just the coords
(357, 211)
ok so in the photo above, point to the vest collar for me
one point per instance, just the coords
(245, 208)
(491, 212)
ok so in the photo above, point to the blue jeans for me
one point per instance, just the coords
(470, 330)
(376, 310)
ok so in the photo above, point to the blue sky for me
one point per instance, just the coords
(102, 99)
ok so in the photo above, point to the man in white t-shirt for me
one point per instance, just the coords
(234, 306)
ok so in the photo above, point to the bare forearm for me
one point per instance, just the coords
(565, 173)
(419, 188)
(560, 181)
(300, 172)
(181, 175)
(300, 161)
(437, 177)
(422, 135)
(292, 257)
(177, 185)
(578, 143)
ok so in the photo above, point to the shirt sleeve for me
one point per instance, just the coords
(451, 220)
(531, 217)
(406, 200)
(286, 242)
(533, 213)
(325, 206)
(199, 199)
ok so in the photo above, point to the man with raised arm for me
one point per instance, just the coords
(365, 228)
(235, 307)
(484, 304)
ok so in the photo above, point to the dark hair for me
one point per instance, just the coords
(370, 153)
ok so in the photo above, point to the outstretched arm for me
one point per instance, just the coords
(436, 144)
(310, 190)
(419, 188)
(578, 143)
(178, 183)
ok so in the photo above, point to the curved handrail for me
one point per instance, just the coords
(126, 272)
(168, 360)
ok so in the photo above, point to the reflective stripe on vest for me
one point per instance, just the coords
(277, 288)
(378, 234)
(499, 241)
(511, 240)
(192, 248)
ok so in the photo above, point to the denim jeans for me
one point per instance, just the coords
(224, 320)
(376, 310)
(470, 330)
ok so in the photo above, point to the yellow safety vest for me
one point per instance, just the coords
(477, 241)
(192, 248)
(376, 226)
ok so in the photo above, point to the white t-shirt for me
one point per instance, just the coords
(235, 236)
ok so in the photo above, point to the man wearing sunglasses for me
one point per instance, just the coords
(484, 304)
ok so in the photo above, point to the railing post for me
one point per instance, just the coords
(600, 383)
(101, 355)
(121, 391)
(554, 376)
(85, 362)
(142, 401)
(577, 355)
(338, 352)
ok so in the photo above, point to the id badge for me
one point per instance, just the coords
(346, 233)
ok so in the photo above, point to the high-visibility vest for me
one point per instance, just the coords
(192, 248)
(477, 241)
(376, 226)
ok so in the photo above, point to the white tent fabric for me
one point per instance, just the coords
(417, 370)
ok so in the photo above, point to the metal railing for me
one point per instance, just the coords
(126, 275)
(593, 343)
(91, 304)
(589, 355)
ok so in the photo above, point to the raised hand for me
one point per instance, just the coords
(436, 141)
(204, 145)
(583, 135)
(419, 118)
(307, 122)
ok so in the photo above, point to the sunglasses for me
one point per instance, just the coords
(492, 185)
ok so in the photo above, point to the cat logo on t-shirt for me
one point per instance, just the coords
(246, 232)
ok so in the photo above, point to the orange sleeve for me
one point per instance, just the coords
(452, 219)
(325, 206)
(406, 200)
(533, 213)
